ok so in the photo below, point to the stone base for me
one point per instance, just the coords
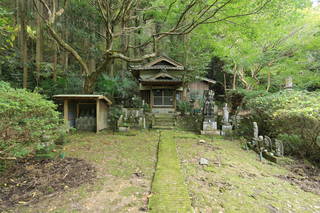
(209, 126)
(226, 130)
(123, 129)
(213, 132)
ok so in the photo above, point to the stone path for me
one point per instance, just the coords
(169, 192)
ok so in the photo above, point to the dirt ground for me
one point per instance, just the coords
(305, 175)
(113, 173)
(29, 180)
(120, 168)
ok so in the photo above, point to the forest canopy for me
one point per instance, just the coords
(66, 45)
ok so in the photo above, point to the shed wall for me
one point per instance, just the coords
(102, 117)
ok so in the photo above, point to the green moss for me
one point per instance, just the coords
(240, 181)
(169, 192)
(131, 190)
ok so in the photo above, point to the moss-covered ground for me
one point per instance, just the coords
(125, 166)
(236, 180)
(169, 192)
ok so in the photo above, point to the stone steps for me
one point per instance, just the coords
(164, 121)
(163, 127)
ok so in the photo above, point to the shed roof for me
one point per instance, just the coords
(74, 96)
(206, 79)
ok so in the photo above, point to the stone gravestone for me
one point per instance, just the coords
(255, 131)
(289, 83)
(279, 149)
(209, 124)
(226, 127)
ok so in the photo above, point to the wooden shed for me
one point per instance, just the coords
(85, 112)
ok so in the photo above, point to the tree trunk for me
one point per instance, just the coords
(90, 83)
(22, 21)
(185, 60)
(39, 43)
(234, 85)
(225, 82)
(54, 62)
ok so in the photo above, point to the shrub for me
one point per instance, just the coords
(25, 120)
(239, 98)
(293, 116)
(184, 107)
(114, 115)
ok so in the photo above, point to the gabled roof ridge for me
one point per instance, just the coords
(163, 58)
(162, 74)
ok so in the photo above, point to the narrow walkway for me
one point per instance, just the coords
(169, 192)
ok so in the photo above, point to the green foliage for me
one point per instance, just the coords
(121, 90)
(113, 116)
(292, 116)
(7, 30)
(25, 120)
(184, 107)
(239, 98)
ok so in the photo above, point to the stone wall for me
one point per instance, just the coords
(133, 118)
(189, 122)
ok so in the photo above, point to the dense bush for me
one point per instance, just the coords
(121, 90)
(184, 107)
(113, 117)
(292, 116)
(27, 120)
(239, 98)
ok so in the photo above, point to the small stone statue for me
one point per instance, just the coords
(268, 143)
(255, 130)
(279, 149)
(289, 83)
(208, 109)
(225, 114)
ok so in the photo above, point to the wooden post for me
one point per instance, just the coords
(66, 112)
(175, 99)
(98, 115)
(151, 97)
(78, 110)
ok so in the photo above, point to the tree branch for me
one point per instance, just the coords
(60, 41)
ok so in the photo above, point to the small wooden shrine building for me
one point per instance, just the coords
(161, 83)
(85, 112)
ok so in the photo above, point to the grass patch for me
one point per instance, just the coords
(169, 192)
(237, 181)
(116, 157)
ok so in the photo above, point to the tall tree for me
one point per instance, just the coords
(23, 38)
(39, 42)
(117, 17)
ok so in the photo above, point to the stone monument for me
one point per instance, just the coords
(289, 83)
(226, 126)
(255, 131)
(209, 124)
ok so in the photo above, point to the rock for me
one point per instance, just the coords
(45, 138)
(201, 142)
(203, 161)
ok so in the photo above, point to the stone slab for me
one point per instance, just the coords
(214, 132)
(209, 126)
(226, 129)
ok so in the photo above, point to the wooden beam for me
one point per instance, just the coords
(174, 99)
(151, 98)
(66, 112)
(97, 115)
